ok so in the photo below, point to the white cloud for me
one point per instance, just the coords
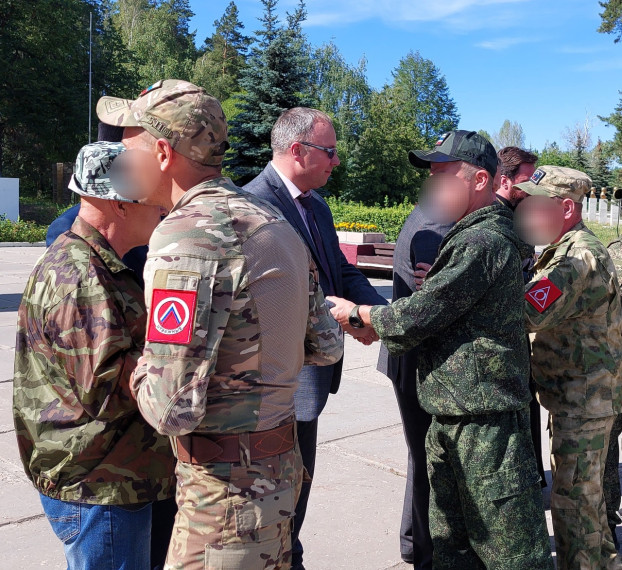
(504, 43)
(324, 13)
(599, 65)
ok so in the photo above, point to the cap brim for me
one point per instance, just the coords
(116, 112)
(533, 189)
(421, 159)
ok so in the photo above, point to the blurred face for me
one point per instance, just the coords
(446, 196)
(539, 220)
(316, 163)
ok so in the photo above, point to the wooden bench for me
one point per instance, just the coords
(376, 256)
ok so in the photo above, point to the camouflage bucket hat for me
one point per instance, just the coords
(91, 174)
(192, 121)
(557, 182)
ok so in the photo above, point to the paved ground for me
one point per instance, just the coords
(354, 512)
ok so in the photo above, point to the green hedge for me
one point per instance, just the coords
(21, 231)
(389, 219)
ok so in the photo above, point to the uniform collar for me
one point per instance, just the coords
(98, 243)
(220, 185)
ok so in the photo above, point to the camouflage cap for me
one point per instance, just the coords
(557, 182)
(91, 174)
(192, 121)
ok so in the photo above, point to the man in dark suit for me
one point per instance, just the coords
(417, 243)
(304, 154)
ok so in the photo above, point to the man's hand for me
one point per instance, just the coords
(365, 335)
(341, 309)
(421, 270)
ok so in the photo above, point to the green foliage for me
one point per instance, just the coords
(388, 219)
(555, 156)
(223, 56)
(20, 231)
(510, 134)
(611, 18)
(273, 80)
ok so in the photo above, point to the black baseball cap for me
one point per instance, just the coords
(454, 146)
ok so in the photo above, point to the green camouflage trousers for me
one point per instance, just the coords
(486, 506)
(611, 482)
(579, 446)
(235, 516)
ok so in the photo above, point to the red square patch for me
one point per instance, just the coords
(543, 294)
(171, 319)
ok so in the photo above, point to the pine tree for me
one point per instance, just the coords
(223, 56)
(599, 168)
(273, 80)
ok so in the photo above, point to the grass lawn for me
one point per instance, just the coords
(606, 234)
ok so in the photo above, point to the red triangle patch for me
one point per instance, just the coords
(171, 319)
(543, 294)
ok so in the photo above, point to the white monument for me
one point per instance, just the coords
(9, 198)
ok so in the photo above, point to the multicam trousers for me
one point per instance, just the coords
(486, 507)
(583, 540)
(234, 516)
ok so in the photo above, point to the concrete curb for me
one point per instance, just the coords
(22, 244)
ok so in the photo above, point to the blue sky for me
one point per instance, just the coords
(538, 62)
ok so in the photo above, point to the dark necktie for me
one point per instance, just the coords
(306, 203)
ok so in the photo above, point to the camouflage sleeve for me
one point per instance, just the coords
(445, 296)
(88, 335)
(187, 313)
(324, 338)
(566, 289)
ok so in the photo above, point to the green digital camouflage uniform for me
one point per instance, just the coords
(576, 350)
(486, 506)
(611, 481)
(81, 324)
(259, 315)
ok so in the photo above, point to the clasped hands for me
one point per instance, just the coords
(341, 309)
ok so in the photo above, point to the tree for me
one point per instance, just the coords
(611, 18)
(158, 37)
(615, 120)
(44, 85)
(274, 80)
(600, 166)
(579, 140)
(486, 135)
(382, 169)
(423, 91)
(223, 56)
(510, 134)
(341, 91)
(553, 155)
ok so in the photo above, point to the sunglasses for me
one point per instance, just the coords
(331, 152)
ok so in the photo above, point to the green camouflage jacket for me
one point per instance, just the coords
(467, 320)
(573, 308)
(235, 310)
(615, 251)
(81, 324)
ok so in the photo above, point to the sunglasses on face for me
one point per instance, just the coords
(331, 152)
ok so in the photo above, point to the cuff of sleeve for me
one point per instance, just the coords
(376, 316)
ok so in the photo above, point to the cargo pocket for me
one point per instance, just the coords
(246, 555)
(513, 500)
(265, 517)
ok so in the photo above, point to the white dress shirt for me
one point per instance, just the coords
(294, 192)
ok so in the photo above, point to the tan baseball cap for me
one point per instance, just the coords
(178, 111)
(557, 181)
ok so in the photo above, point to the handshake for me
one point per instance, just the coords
(342, 309)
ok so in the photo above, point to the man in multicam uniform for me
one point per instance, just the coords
(486, 506)
(611, 482)
(96, 462)
(234, 311)
(574, 311)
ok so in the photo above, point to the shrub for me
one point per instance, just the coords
(21, 230)
(387, 219)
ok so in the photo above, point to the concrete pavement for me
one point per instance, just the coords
(355, 505)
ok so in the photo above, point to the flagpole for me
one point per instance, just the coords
(90, 68)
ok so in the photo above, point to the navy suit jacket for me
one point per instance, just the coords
(418, 242)
(348, 281)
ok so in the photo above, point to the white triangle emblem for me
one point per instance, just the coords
(540, 296)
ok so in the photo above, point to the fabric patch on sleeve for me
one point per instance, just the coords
(543, 294)
(171, 319)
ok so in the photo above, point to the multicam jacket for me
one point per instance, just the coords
(81, 325)
(467, 320)
(573, 308)
(235, 310)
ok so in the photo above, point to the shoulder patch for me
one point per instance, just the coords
(543, 294)
(171, 318)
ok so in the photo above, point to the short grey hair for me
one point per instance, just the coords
(295, 125)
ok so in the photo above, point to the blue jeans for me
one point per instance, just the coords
(101, 537)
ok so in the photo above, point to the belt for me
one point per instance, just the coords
(198, 449)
